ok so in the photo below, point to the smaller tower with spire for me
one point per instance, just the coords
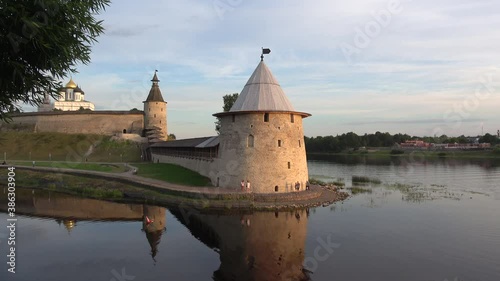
(155, 113)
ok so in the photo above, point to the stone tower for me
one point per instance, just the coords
(261, 138)
(155, 113)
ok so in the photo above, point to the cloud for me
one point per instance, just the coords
(428, 58)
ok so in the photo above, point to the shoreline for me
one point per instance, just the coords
(151, 191)
(490, 154)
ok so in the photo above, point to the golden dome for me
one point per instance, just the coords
(71, 84)
(69, 224)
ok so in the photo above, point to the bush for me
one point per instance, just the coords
(397, 151)
(442, 154)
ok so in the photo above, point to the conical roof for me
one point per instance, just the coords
(262, 92)
(155, 93)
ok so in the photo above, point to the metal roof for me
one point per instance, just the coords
(210, 142)
(262, 93)
(194, 142)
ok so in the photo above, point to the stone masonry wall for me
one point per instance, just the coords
(276, 158)
(96, 122)
(155, 115)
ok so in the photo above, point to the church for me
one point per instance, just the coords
(70, 98)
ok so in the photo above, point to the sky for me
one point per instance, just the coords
(399, 66)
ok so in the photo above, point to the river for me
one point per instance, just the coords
(427, 220)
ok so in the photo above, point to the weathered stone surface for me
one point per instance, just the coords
(268, 154)
(74, 122)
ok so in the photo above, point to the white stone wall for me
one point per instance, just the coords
(277, 158)
(155, 115)
(73, 105)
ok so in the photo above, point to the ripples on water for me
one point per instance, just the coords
(429, 221)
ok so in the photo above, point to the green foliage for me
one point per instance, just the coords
(99, 193)
(441, 154)
(397, 151)
(228, 100)
(351, 141)
(171, 137)
(489, 138)
(40, 43)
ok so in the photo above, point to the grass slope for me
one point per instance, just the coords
(172, 173)
(66, 147)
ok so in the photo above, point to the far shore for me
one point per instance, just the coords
(386, 152)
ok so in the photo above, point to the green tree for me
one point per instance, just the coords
(171, 137)
(41, 42)
(228, 100)
(489, 138)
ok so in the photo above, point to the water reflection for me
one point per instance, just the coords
(69, 211)
(413, 158)
(154, 225)
(259, 246)
(251, 246)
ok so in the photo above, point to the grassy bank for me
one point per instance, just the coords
(70, 184)
(92, 187)
(172, 173)
(66, 147)
(100, 167)
(122, 191)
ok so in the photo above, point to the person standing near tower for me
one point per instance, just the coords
(242, 185)
(248, 186)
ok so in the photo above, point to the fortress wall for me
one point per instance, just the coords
(265, 164)
(104, 122)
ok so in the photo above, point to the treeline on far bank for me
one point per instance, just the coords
(352, 141)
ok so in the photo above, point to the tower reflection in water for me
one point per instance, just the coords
(154, 224)
(258, 246)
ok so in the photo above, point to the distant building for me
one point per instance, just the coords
(465, 146)
(415, 144)
(419, 145)
(70, 98)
